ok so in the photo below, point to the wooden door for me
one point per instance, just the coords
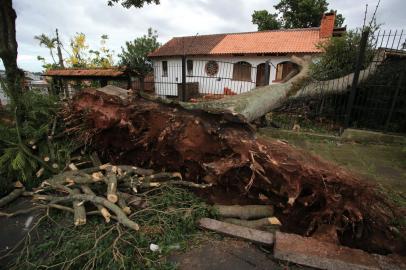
(260, 75)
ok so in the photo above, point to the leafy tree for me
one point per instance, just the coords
(340, 54)
(265, 20)
(102, 57)
(301, 13)
(135, 54)
(295, 14)
(132, 3)
(48, 42)
(339, 18)
(80, 54)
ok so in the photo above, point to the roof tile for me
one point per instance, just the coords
(273, 42)
(94, 72)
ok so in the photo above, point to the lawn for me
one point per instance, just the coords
(382, 163)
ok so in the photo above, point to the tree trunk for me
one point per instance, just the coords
(252, 105)
(8, 51)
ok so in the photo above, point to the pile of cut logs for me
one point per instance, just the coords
(110, 189)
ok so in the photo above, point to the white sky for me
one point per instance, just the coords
(171, 18)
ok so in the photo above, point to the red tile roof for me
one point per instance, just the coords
(94, 72)
(269, 42)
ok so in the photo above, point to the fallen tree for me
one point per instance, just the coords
(207, 149)
(252, 105)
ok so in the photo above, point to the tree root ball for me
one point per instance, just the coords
(207, 148)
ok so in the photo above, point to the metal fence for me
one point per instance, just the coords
(376, 102)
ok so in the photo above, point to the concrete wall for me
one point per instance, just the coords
(167, 86)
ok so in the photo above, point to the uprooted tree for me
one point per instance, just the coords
(207, 148)
(213, 142)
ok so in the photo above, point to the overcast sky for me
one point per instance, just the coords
(170, 18)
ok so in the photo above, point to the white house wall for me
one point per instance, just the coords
(167, 86)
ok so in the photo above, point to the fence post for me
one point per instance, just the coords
(183, 98)
(142, 83)
(267, 71)
(394, 99)
(358, 67)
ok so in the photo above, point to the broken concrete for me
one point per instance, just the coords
(323, 255)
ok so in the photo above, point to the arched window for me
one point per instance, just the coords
(242, 71)
(283, 69)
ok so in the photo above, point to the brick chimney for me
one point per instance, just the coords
(327, 25)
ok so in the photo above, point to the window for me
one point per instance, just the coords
(164, 68)
(212, 68)
(189, 66)
(283, 70)
(242, 71)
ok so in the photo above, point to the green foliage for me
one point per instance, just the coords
(135, 54)
(265, 20)
(169, 222)
(339, 18)
(49, 42)
(340, 56)
(80, 53)
(132, 3)
(301, 13)
(17, 159)
(294, 14)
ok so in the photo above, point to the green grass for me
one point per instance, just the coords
(384, 164)
(169, 221)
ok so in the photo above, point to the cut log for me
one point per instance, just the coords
(79, 216)
(244, 212)
(112, 187)
(11, 196)
(252, 235)
(256, 224)
(121, 217)
(103, 211)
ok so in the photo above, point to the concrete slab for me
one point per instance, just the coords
(228, 254)
(323, 255)
(256, 236)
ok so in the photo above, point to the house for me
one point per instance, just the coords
(237, 62)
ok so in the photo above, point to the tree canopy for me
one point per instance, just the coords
(265, 20)
(132, 3)
(80, 55)
(135, 53)
(294, 14)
